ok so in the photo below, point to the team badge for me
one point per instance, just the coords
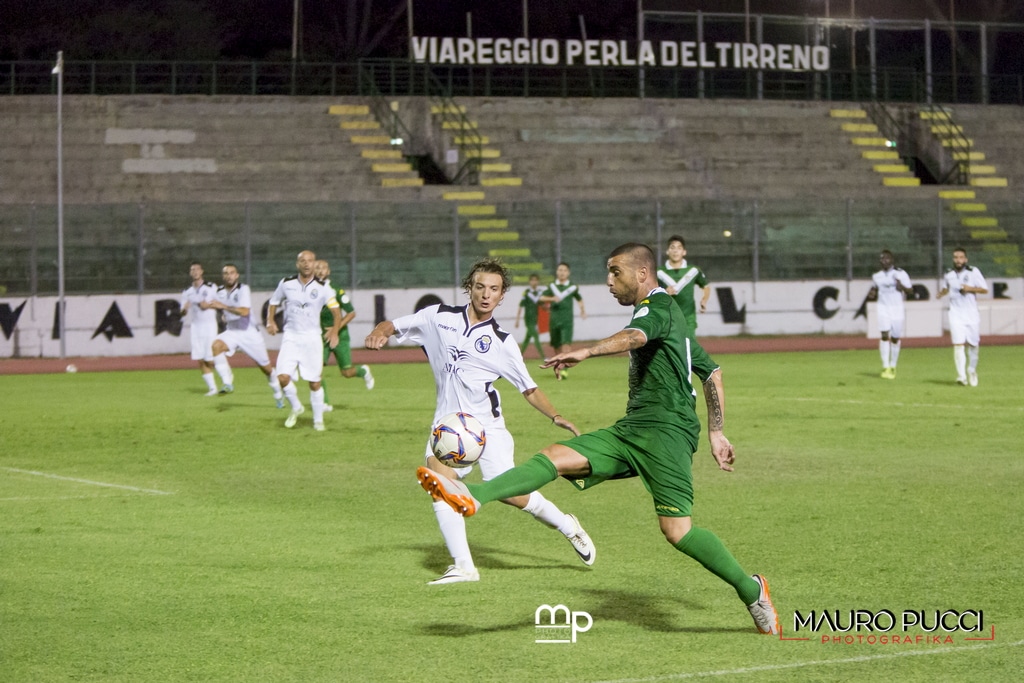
(314, 293)
(483, 344)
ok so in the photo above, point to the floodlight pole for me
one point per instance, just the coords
(59, 71)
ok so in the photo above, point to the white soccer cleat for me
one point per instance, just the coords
(279, 401)
(368, 377)
(319, 427)
(962, 381)
(452, 492)
(581, 543)
(328, 408)
(227, 389)
(294, 417)
(455, 574)
(765, 617)
(972, 378)
(211, 392)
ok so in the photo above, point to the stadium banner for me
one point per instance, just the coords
(686, 54)
(134, 324)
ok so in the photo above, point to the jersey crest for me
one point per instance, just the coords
(483, 344)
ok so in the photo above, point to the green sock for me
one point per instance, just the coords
(703, 546)
(518, 481)
(361, 372)
(323, 385)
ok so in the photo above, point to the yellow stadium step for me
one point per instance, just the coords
(988, 234)
(964, 207)
(979, 222)
(989, 182)
(349, 110)
(870, 142)
(520, 279)
(901, 182)
(957, 194)
(392, 168)
(381, 154)
(934, 115)
(463, 196)
(892, 168)
(968, 156)
(860, 127)
(489, 223)
(525, 265)
(879, 155)
(477, 210)
(495, 168)
(458, 125)
(463, 140)
(360, 125)
(448, 109)
(848, 114)
(981, 169)
(950, 142)
(483, 153)
(497, 237)
(509, 253)
(1001, 248)
(370, 140)
(401, 182)
(501, 182)
(947, 129)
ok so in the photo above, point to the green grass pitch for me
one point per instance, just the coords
(148, 533)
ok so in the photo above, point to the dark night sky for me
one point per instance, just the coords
(335, 30)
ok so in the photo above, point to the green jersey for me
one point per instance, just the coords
(529, 304)
(561, 310)
(659, 371)
(327, 318)
(683, 280)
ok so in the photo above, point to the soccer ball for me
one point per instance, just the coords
(458, 440)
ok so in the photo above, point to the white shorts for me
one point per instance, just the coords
(301, 356)
(498, 456)
(250, 341)
(202, 341)
(891, 320)
(964, 331)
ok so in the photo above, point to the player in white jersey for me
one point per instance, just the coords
(890, 284)
(963, 284)
(302, 349)
(203, 321)
(235, 299)
(468, 351)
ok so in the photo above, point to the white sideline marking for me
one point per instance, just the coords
(901, 404)
(819, 662)
(38, 498)
(90, 482)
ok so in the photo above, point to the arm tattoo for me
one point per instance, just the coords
(716, 416)
(619, 342)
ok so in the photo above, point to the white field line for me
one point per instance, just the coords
(40, 498)
(817, 662)
(988, 408)
(89, 482)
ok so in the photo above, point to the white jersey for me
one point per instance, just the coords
(466, 360)
(302, 303)
(240, 296)
(198, 317)
(964, 307)
(888, 294)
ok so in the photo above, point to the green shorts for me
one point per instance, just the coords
(561, 333)
(661, 455)
(342, 352)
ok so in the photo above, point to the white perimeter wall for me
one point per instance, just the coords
(125, 325)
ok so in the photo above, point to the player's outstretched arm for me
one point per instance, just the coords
(620, 342)
(539, 400)
(714, 397)
(379, 336)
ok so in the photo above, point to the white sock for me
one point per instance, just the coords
(292, 395)
(275, 383)
(220, 363)
(894, 354)
(972, 358)
(453, 530)
(548, 513)
(316, 400)
(883, 350)
(960, 360)
(208, 376)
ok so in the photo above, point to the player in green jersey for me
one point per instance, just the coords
(679, 278)
(527, 311)
(343, 351)
(559, 295)
(656, 438)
